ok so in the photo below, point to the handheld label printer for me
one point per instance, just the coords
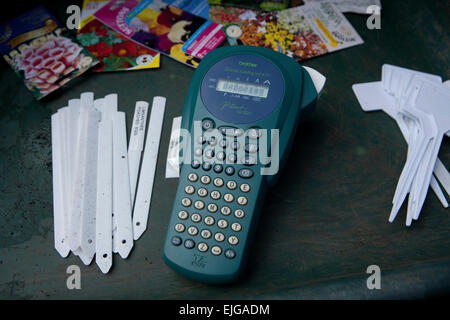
(241, 113)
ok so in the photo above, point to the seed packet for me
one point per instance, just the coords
(42, 52)
(353, 6)
(266, 5)
(156, 25)
(301, 32)
(197, 7)
(114, 51)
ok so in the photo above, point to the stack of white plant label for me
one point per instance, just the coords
(95, 176)
(420, 104)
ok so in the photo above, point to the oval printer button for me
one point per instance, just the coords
(246, 173)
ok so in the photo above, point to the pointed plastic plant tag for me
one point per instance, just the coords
(147, 176)
(121, 187)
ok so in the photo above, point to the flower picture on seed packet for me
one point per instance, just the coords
(115, 52)
(301, 32)
(281, 31)
(172, 31)
(42, 52)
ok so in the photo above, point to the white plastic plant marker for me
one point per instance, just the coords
(121, 187)
(372, 97)
(428, 133)
(90, 189)
(78, 188)
(317, 78)
(433, 99)
(110, 103)
(99, 105)
(103, 229)
(173, 154)
(76, 205)
(136, 144)
(147, 176)
(398, 94)
(66, 185)
(58, 202)
(110, 106)
(443, 175)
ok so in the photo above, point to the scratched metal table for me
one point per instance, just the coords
(322, 226)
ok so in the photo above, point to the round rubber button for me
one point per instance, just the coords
(206, 166)
(195, 164)
(215, 195)
(202, 192)
(242, 201)
(209, 221)
(218, 168)
(218, 182)
(212, 207)
(228, 197)
(230, 170)
(239, 213)
(176, 241)
(189, 189)
(207, 124)
(219, 237)
(192, 177)
(186, 202)
(183, 215)
(236, 227)
(231, 185)
(245, 187)
(179, 227)
(216, 250)
(192, 231)
(199, 205)
(223, 224)
(196, 217)
(202, 247)
(230, 253)
(189, 244)
(205, 179)
(212, 141)
(209, 153)
(206, 234)
(225, 210)
(233, 240)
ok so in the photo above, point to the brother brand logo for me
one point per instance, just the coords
(248, 64)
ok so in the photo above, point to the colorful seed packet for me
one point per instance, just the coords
(42, 52)
(197, 7)
(156, 25)
(266, 5)
(301, 32)
(114, 51)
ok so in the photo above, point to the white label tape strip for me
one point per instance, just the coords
(136, 144)
(173, 155)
